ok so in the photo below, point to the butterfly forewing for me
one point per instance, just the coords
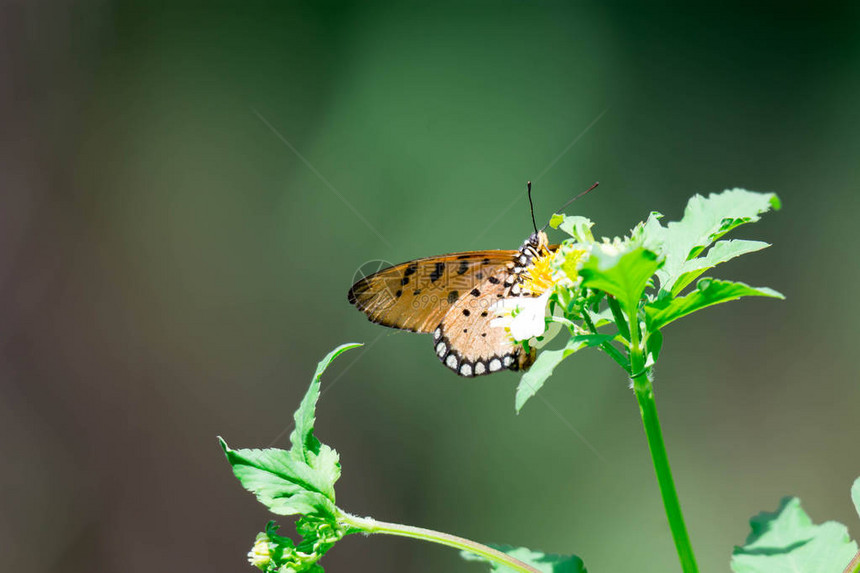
(417, 295)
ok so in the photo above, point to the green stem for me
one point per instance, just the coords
(644, 391)
(615, 308)
(369, 525)
(607, 347)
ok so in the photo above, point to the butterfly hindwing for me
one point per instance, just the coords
(466, 342)
(416, 295)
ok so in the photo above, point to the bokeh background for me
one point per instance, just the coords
(187, 192)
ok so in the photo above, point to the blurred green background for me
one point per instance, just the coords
(176, 247)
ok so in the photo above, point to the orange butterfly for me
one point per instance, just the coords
(453, 297)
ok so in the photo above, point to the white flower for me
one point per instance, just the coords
(260, 555)
(524, 318)
(614, 246)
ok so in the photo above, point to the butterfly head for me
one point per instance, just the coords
(535, 245)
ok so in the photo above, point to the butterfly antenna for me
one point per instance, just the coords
(531, 205)
(560, 209)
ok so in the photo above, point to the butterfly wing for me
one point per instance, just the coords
(416, 295)
(452, 296)
(465, 341)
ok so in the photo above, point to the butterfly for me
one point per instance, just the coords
(455, 297)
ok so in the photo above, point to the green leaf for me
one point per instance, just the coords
(547, 360)
(545, 562)
(705, 220)
(708, 292)
(621, 273)
(787, 540)
(648, 233)
(654, 343)
(302, 436)
(720, 252)
(301, 480)
(855, 495)
(619, 318)
(574, 225)
(602, 317)
(284, 485)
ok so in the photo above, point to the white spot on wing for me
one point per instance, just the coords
(466, 369)
(508, 360)
(451, 362)
(441, 349)
(495, 365)
(437, 334)
(480, 368)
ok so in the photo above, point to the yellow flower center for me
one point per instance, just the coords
(538, 278)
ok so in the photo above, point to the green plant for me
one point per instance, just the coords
(615, 295)
(787, 540)
(300, 481)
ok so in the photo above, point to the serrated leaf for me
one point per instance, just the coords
(705, 220)
(574, 225)
(623, 274)
(280, 483)
(545, 562)
(300, 480)
(648, 233)
(787, 540)
(547, 360)
(720, 252)
(302, 436)
(708, 292)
